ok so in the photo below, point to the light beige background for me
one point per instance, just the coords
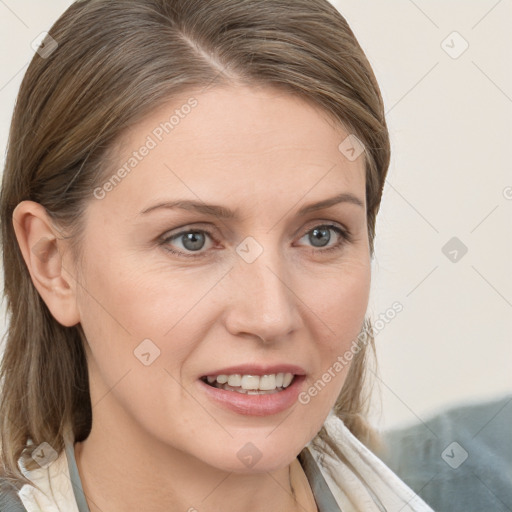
(450, 118)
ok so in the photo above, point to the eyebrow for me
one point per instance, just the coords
(225, 213)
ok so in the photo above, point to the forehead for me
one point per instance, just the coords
(235, 141)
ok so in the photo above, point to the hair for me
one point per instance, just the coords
(116, 62)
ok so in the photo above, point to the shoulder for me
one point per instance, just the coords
(9, 499)
(51, 490)
(357, 473)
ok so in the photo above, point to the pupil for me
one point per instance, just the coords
(318, 234)
(193, 241)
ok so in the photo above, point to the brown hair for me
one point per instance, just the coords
(116, 61)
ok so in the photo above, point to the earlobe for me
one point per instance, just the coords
(42, 248)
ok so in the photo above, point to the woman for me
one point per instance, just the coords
(189, 205)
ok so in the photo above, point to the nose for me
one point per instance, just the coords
(263, 302)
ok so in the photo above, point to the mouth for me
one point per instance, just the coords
(251, 384)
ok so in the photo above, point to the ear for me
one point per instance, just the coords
(42, 248)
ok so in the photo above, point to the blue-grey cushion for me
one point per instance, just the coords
(458, 460)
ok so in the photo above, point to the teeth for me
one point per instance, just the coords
(268, 382)
(287, 379)
(251, 384)
(235, 380)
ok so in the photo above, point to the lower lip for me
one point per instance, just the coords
(255, 405)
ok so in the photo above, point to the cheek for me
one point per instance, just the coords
(340, 300)
(339, 309)
(128, 312)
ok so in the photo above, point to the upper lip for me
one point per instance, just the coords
(258, 369)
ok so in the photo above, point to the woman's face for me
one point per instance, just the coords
(234, 280)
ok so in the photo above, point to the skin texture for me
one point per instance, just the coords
(157, 441)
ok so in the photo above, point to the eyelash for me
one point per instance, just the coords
(345, 237)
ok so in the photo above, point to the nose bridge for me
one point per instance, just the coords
(263, 300)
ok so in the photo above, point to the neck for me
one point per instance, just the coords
(124, 469)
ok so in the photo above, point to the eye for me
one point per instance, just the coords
(192, 241)
(320, 236)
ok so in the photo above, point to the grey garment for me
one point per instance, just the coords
(9, 499)
(459, 460)
(76, 483)
(324, 499)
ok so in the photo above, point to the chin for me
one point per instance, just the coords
(255, 453)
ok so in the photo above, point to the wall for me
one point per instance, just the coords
(449, 190)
